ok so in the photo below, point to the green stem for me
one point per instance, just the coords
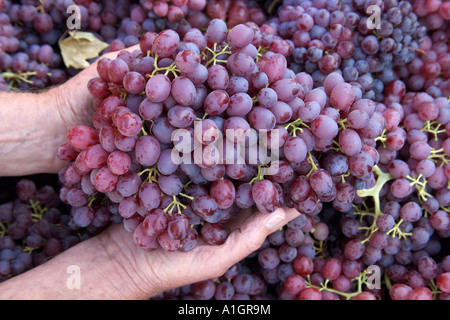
(374, 192)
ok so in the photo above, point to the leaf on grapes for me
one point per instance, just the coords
(79, 47)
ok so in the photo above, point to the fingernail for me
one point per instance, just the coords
(274, 221)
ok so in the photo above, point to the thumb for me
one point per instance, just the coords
(251, 235)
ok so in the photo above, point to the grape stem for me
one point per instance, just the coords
(170, 69)
(216, 54)
(374, 192)
(175, 203)
(363, 213)
(295, 125)
(261, 51)
(313, 165)
(434, 289)
(19, 77)
(41, 8)
(152, 174)
(37, 210)
(30, 250)
(361, 279)
(396, 231)
(439, 154)
(387, 280)
(345, 175)
(143, 131)
(186, 196)
(433, 128)
(382, 138)
(319, 248)
(259, 175)
(91, 200)
(272, 6)
(337, 147)
(445, 209)
(375, 33)
(343, 124)
(185, 186)
(203, 118)
(420, 186)
(3, 230)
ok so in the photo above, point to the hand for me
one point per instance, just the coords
(73, 100)
(111, 266)
(156, 271)
(34, 125)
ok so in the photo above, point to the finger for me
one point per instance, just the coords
(252, 233)
(250, 236)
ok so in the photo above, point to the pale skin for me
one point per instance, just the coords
(111, 265)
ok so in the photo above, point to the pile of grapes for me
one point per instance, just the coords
(36, 226)
(340, 112)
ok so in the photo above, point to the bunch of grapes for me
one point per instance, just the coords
(174, 10)
(233, 90)
(27, 60)
(396, 219)
(430, 70)
(30, 59)
(130, 157)
(332, 35)
(35, 228)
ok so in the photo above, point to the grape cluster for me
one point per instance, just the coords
(304, 261)
(155, 16)
(120, 23)
(188, 81)
(333, 35)
(129, 155)
(340, 152)
(27, 59)
(292, 264)
(233, 12)
(430, 70)
(34, 228)
(354, 122)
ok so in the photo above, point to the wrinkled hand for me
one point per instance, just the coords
(35, 125)
(156, 271)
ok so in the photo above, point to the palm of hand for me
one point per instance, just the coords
(159, 270)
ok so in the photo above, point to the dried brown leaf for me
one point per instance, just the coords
(79, 47)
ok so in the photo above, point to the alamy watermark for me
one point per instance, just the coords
(373, 273)
(74, 279)
(74, 20)
(374, 21)
(239, 146)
